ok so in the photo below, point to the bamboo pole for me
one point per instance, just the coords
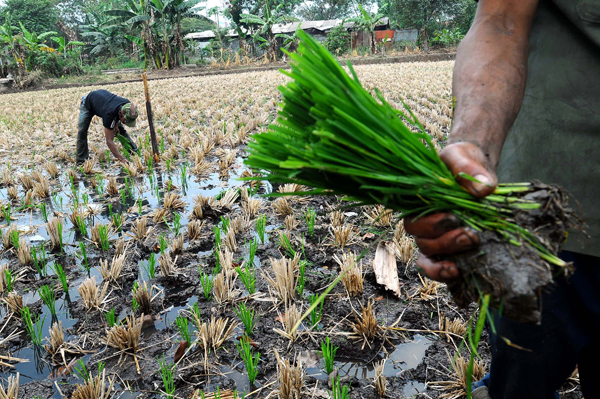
(150, 120)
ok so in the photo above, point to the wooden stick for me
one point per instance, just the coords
(150, 120)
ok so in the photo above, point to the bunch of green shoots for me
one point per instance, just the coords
(334, 136)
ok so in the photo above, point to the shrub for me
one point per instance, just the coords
(338, 40)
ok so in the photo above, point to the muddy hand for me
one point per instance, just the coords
(442, 233)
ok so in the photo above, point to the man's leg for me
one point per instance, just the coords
(85, 117)
(122, 132)
(553, 348)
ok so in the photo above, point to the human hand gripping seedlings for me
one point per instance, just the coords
(442, 233)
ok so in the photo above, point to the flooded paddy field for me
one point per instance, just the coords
(180, 279)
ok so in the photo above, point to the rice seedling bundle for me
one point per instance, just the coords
(334, 136)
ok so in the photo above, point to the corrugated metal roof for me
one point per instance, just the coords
(290, 27)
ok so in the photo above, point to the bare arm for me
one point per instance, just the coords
(110, 142)
(489, 80)
(490, 74)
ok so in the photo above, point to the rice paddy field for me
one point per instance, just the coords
(177, 279)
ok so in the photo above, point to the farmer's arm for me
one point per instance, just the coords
(489, 83)
(110, 142)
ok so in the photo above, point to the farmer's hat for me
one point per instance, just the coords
(130, 113)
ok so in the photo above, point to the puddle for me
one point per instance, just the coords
(406, 356)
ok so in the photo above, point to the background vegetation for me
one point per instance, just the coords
(55, 38)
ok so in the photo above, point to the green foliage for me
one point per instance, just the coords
(310, 216)
(447, 38)
(166, 372)
(206, 281)
(315, 315)
(250, 360)
(33, 325)
(248, 277)
(183, 327)
(104, 241)
(35, 15)
(301, 278)
(150, 266)
(247, 317)
(339, 391)
(261, 224)
(111, 318)
(62, 277)
(49, 297)
(6, 211)
(84, 262)
(338, 40)
(328, 355)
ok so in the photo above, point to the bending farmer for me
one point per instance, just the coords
(114, 112)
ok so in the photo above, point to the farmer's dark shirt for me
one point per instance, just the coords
(556, 136)
(106, 105)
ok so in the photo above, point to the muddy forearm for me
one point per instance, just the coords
(490, 75)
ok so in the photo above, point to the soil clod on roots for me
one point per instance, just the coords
(515, 275)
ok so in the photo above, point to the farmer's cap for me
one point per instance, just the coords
(130, 113)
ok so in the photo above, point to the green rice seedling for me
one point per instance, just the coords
(117, 221)
(111, 318)
(310, 216)
(6, 210)
(284, 242)
(328, 355)
(44, 211)
(84, 257)
(207, 281)
(261, 224)
(247, 317)
(81, 226)
(39, 259)
(317, 312)
(86, 199)
(14, 239)
(134, 303)
(162, 243)
(62, 277)
(168, 164)
(195, 311)
(103, 235)
(301, 278)
(166, 372)
(123, 193)
(248, 277)
(139, 201)
(217, 268)
(250, 360)
(225, 224)
(9, 279)
(217, 232)
(252, 252)
(176, 228)
(82, 371)
(99, 184)
(49, 297)
(183, 326)
(33, 325)
(339, 391)
(150, 266)
(59, 231)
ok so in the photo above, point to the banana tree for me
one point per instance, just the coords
(65, 48)
(139, 20)
(368, 22)
(264, 33)
(34, 43)
(8, 41)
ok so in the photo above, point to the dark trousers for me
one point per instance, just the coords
(85, 117)
(569, 335)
